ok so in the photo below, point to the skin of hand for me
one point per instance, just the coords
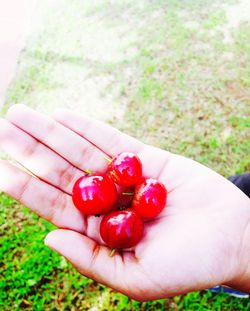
(201, 239)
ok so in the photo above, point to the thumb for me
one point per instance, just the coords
(93, 260)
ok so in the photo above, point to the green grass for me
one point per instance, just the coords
(172, 82)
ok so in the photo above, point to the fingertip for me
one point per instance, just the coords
(48, 241)
(3, 126)
(3, 122)
(52, 238)
(15, 109)
(62, 240)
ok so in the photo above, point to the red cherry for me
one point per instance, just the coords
(121, 229)
(150, 198)
(125, 169)
(94, 194)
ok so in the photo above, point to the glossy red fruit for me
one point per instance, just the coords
(94, 194)
(125, 169)
(150, 198)
(121, 229)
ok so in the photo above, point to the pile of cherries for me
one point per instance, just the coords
(124, 196)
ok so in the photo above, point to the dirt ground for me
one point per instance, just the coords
(104, 42)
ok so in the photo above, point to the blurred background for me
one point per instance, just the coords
(175, 74)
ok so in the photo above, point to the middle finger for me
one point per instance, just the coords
(71, 146)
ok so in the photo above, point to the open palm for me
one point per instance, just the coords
(194, 243)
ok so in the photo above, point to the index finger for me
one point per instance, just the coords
(103, 136)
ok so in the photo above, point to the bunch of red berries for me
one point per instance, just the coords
(124, 196)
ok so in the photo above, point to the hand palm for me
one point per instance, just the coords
(184, 249)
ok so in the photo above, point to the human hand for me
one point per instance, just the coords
(200, 239)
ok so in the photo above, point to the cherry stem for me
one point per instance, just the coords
(88, 172)
(128, 193)
(109, 160)
(121, 208)
(112, 252)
